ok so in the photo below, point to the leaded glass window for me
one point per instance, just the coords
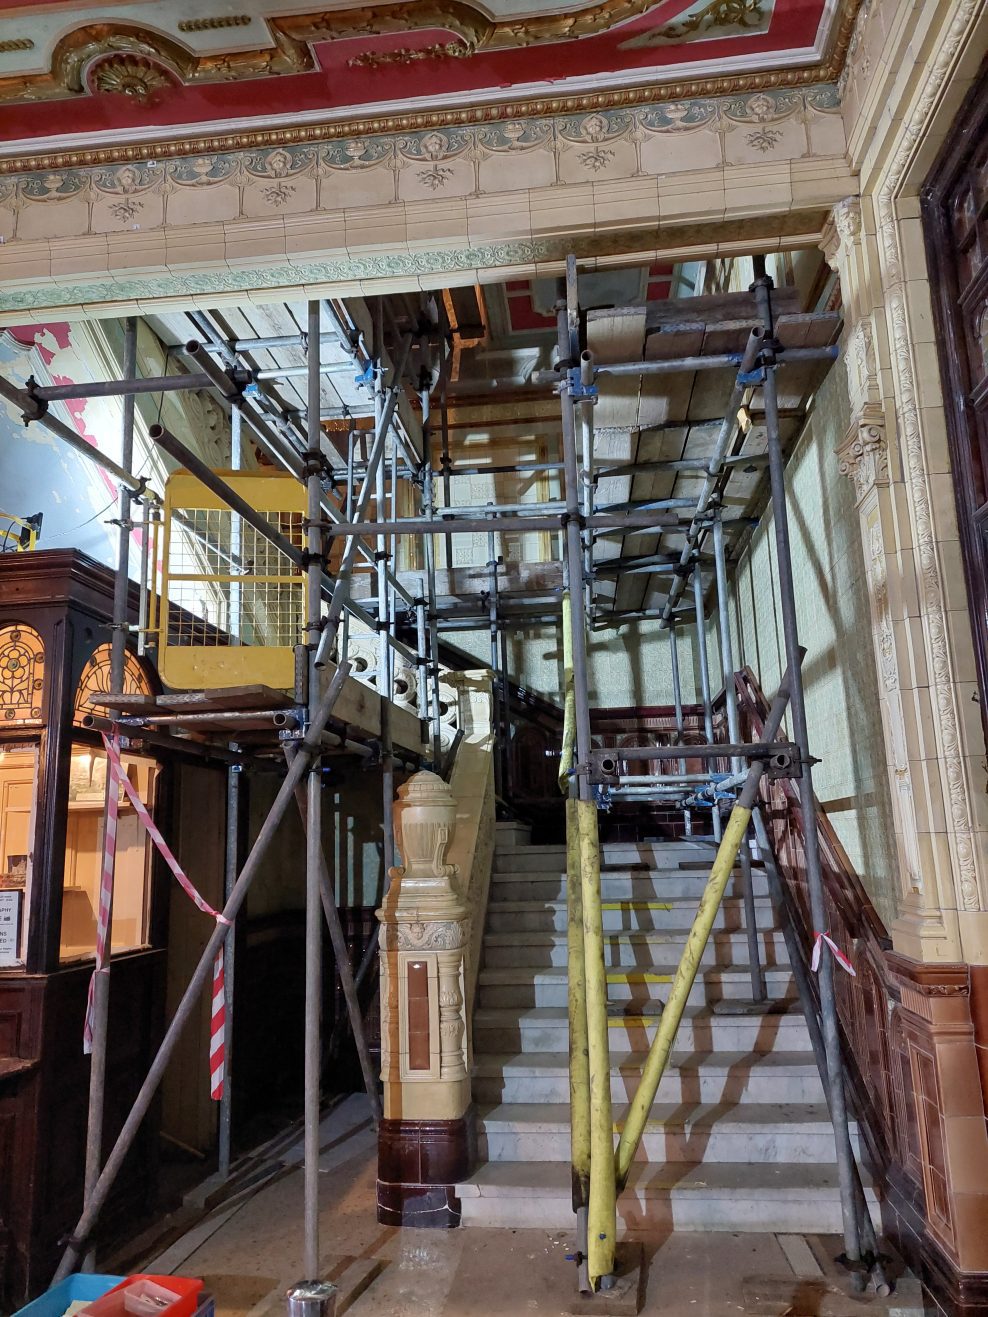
(22, 676)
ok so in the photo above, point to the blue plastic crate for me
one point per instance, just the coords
(83, 1286)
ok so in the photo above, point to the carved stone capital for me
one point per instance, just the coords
(863, 456)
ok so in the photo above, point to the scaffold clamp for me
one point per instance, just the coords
(579, 391)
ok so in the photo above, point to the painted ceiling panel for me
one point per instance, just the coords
(137, 68)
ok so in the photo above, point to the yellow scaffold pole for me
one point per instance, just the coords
(672, 1013)
(602, 1213)
(579, 1057)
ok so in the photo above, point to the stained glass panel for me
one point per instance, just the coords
(95, 680)
(22, 669)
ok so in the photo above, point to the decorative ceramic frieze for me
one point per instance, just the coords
(761, 114)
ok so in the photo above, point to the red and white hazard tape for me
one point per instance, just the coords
(842, 960)
(217, 1030)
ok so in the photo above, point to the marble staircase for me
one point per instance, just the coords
(739, 1138)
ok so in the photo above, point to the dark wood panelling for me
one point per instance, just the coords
(910, 1032)
(67, 599)
(955, 215)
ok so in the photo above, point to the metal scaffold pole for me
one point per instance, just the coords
(811, 846)
(734, 734)
(601, 1217)
(383, 613)
(708, 708)
(313, 821)
(118, 654)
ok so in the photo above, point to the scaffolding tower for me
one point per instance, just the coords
(345, 508)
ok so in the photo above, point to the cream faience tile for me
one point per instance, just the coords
(133, 252)
(79, 257)
(562, 209)
(128, 214)
(952, 575)
(321, 235)
(764, 143)
(370, 185)
(509, 171)
(943, 506)
(52, 219)
(436, 222)
(825, 133)
(499, 218)
(752, 199)
(24, 265)
(506, 273)
(581, 162)
(195, 245)
(671, 153)
(420, 180)
(926, 368)
(203, 203)
(927, 796)
(933, 425)
(383, 226)
(255, 244)
(634, 208)
(294, 195)
(692, 196)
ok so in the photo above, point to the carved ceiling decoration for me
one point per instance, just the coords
(386, 67)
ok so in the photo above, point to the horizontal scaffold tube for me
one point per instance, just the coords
(32, 410)
(672, 1013)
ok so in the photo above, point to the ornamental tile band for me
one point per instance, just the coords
(429, 154)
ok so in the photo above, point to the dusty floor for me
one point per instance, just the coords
(248, 1250)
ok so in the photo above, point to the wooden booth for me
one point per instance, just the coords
(55, 609)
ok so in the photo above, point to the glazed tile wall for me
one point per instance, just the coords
(503, 197)
(841, 681)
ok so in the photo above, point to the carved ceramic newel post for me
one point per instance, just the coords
(424, 938)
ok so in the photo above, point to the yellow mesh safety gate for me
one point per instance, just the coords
(232, 603)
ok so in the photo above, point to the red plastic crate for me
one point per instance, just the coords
(112, 1303)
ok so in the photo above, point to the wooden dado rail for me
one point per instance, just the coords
(911, 1032)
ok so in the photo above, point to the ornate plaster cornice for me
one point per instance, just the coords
(291, 53)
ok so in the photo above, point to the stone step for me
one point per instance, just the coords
(534, 859)
(789, 1198)
(619, 885)
(520, 987)
(747, 1132)
(538, 950)
(716, 1077)
(546, 1029)
(623, 916)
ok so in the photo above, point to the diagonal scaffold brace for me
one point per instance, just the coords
(308, 748)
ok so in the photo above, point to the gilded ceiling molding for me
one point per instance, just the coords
(293, 55)
(464, 18)
(214, 24)
(77, 51)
